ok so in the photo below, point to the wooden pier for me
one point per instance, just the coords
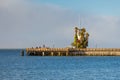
(73, 52)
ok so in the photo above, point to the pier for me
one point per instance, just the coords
(73, 51)
(79, 48)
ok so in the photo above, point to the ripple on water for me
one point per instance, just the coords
(16, 67)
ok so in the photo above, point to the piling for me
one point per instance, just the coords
(43, 53)
(52, 53)
(22, 53)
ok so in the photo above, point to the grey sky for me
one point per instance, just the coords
(24, 24)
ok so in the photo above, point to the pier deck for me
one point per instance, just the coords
(73, 52)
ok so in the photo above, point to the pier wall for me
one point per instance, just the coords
(73, 52)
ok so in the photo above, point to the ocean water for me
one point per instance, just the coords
(15, 67)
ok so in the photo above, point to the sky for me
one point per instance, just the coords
(32, 23)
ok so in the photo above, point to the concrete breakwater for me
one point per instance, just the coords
(73, 51)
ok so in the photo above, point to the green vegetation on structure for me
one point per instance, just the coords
(80, 38)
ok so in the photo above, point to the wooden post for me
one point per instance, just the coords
(22, 53)
(43, 53)
(66, 53)
(59, 54)
(52, 53)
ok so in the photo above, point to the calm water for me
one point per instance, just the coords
(15, 67)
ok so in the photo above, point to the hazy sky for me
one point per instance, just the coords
(31, 23)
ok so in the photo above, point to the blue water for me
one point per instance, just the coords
(15, 67)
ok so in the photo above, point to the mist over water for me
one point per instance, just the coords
(15, 67)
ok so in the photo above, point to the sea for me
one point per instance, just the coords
(16, 67)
